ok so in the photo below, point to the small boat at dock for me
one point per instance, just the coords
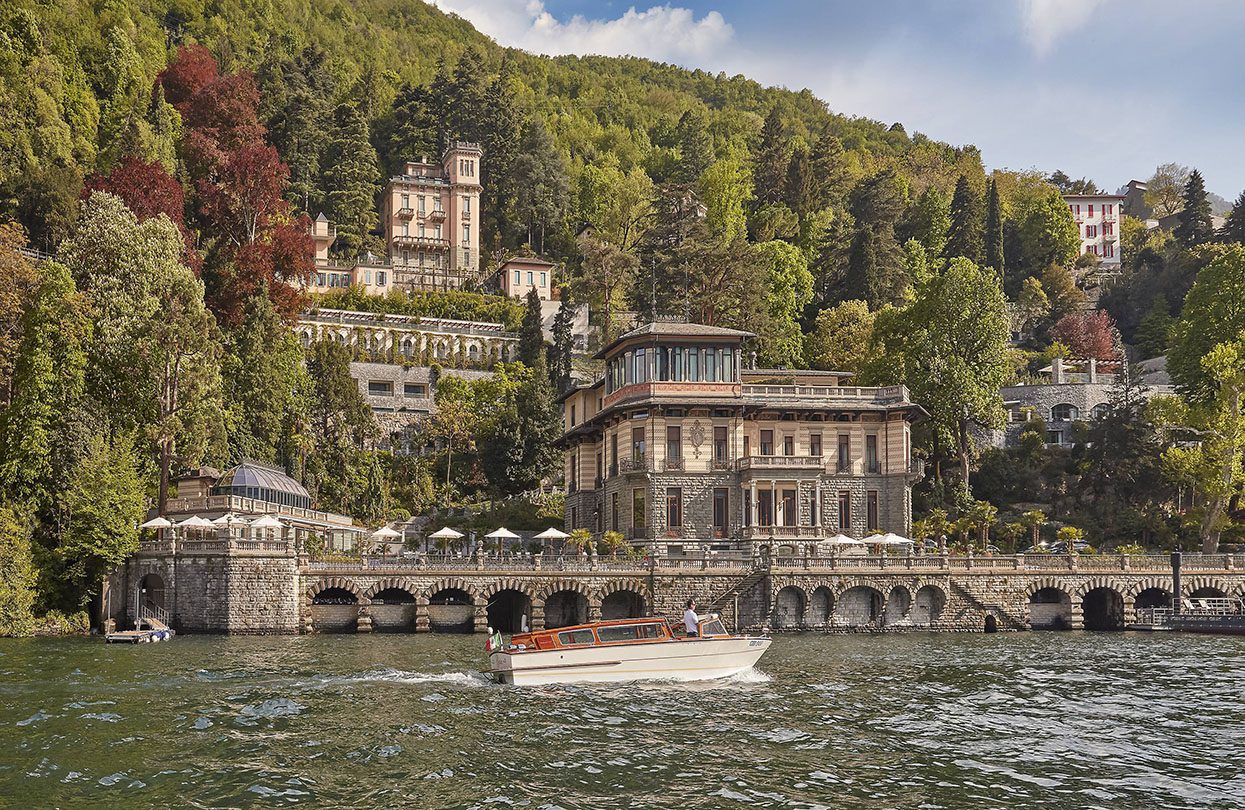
(619, 650)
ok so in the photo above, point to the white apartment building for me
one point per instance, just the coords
(1098, 221)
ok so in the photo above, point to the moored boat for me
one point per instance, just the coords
(625, 650)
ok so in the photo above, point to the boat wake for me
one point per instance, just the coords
(392, 675)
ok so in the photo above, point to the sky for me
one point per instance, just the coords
(1105, 89)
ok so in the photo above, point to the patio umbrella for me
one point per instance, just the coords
(385, 533)
(843, 540)
(502, 534)
(196, 522)
(156, 523)
(267, 522)
(552, 534)
(445, 533)
(229, 519)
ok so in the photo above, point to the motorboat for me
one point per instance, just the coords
(625, 650)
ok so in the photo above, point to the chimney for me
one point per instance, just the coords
(1093, 369)
(1056, 371)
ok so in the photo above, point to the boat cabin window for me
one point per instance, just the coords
(712, 627)
(575, 637)
(629, 632)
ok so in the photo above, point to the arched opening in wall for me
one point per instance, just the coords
(1208, 593)
(1050, 609)
(820, 606)
(451, 610)
(788, 608)
(928, 605)
(393, 610)
(1153, 598)
(151, 593)
(992, 624)
(625, 604)
(564, 608)
(858, 607)
(508, 610)
(897, 604)
(334, 610)
(1103, 609)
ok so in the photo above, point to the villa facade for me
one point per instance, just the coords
(680, 444)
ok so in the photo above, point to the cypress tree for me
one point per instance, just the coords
(770, 162)
(798, 187)
(927, 220)
(563, 342)
(994, 230)
(1234, 225)
(351, 176)
(965, 237)
(1195, 225)
(531, 338)
(695, 147)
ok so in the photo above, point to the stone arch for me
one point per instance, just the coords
(452, 613)
(858, 604)
(324, 583)
(558, 585)
(820, 606)
(151, 591)
(1135, 587)
(389, 584)
(928, 604)
(898, 604)
(622, 599)
(566, 607)
(787, 610)
(1102, 604)
(1050, 604)
(450, 584)
(508, 604)
(1207, 585)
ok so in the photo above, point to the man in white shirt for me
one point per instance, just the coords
(691, 622)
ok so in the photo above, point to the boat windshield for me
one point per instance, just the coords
(712, 627)
(628, 632)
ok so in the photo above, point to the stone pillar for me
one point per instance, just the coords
(752, 505)
(538, 614)
(422, 624)
(817, 504)
(594, 611)
(480, 620)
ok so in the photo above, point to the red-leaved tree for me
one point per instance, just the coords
(1089, 335)
(256, 243)
(148, 190)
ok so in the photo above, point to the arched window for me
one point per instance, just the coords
(1100, 410)
(1064, 413)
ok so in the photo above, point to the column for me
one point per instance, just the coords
(752, 505)
(816, 504)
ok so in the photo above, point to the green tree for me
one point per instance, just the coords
(540, 425)
(1034, 520)
(1234, 224)
(831, 173)
(770, 159)
(994, 229)
(965, 237)
(563, 342)
(1154, 332)
(789, 288)
(1214, 312)
(17, 575)
(1213, 464)
(1061, 291)
(1048, 230)
(531, 335)
(541, 182)
(950, 347)
(608, 273)
(1032, 305)
(265, 383)
(1194, 224)
(350, 179)
(840, 338)
(339, 423)
(103, 506)
(928, 221)
(799, 184)
(1165, 187)
(695, 146)
(726, 189)
(47, 386)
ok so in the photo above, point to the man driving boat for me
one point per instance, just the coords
(691, 622)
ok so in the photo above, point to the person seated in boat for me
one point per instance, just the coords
(691, 622)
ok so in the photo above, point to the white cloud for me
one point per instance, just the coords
(1047, 20)
(666, 33)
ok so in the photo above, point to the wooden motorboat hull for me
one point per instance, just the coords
(693, 659)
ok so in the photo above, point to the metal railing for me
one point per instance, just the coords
(889, 393)
(781, 462)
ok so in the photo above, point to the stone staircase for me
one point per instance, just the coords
(980, 599)
(726, 603)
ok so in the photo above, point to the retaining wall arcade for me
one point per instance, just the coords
(271, 590)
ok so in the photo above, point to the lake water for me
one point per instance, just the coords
(1073, 720)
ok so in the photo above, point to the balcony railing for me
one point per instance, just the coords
(884, 394)
(780, 463)
(673, 465)
(427, 242)
(628, 465)
(406, 213)
(784, 532)
(721, 464)
(436, 215)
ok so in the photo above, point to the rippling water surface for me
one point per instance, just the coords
(930, 721)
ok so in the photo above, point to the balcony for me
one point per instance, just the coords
(785, 532)
(810, 463)
(673, 465)
(634, 465)
(465, 214)
(406, 213)
(846, 394)
(423, 242)
(436, 215)
(721, 465)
